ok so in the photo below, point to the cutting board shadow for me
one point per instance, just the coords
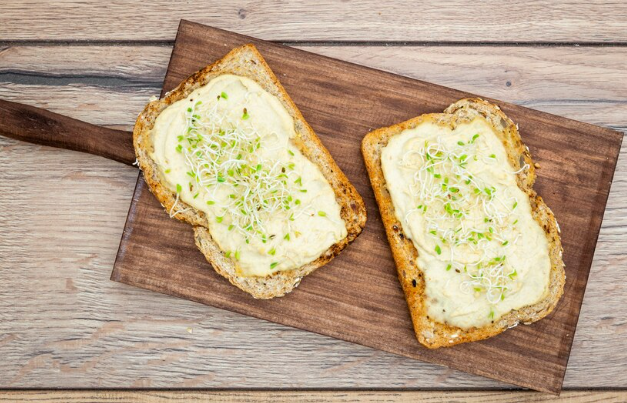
(357, 297)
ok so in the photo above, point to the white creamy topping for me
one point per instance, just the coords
(226, 150)
(456, 196)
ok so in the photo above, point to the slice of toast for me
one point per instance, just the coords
(430, 333)
(246, 61)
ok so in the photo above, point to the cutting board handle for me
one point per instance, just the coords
(39, 126)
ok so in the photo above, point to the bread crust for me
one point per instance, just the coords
(246, 61)
(434, 334)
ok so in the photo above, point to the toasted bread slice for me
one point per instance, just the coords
(246, 61)
(430, 333)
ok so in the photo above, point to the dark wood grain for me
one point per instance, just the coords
(357, 297)
(39, 126)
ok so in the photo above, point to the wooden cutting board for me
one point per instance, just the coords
(357, 297)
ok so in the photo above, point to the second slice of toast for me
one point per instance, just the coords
(430, 332)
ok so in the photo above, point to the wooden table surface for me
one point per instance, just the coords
(63, 324)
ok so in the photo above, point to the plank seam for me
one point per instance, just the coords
(169, 43)
(348, 389)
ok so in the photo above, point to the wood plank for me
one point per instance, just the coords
(117, 336)
(309, 396)
(583, 83)
(368, 99)
(105, 106)
(519, 21)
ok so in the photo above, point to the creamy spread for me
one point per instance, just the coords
(227, 150)
(455, 194)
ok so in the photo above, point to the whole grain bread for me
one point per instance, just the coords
(430, 333)
(246, 61)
